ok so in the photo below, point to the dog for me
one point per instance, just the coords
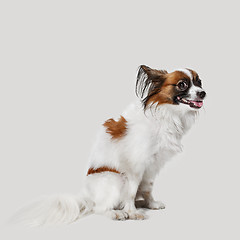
(130, 151)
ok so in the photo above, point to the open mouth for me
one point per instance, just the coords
(191, 103)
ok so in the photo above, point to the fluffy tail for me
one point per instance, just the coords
(53, 210)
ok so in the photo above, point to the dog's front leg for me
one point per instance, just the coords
(145, 192)
(129, 207)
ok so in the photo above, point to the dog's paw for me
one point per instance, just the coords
(155, 205)
(118, 215)
(137, 215)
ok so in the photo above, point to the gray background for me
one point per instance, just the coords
(67, 66)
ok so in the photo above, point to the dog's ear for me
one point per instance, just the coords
(148, 81)
(152, 73)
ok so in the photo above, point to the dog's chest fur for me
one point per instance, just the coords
(165, 138)
(166, 129)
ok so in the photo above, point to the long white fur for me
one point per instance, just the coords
(152, 138)
(51, 210)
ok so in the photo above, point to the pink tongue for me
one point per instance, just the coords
(198, 104)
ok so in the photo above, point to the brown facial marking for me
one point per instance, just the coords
(168, 88)
(116, 129)
(196, 80)
(101, 169)
(194, 74)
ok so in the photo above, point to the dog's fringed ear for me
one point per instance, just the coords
(148, 80)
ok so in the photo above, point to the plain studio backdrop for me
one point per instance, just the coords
(67, 66)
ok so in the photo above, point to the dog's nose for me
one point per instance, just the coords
(201, 94)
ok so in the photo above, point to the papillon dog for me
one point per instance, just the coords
(130, 151)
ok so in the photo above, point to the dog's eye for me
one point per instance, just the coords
(182, 85)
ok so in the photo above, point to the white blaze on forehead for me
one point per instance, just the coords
(187, 72)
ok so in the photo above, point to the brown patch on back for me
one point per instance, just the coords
(168, 89)
(116, 129)
(101, 169)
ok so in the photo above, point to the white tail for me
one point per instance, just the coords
(53, 210)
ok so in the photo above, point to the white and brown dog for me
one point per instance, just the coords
(130, 151)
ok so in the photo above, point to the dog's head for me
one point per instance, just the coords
(181, 87)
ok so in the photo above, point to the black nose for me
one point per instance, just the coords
(201, 94)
